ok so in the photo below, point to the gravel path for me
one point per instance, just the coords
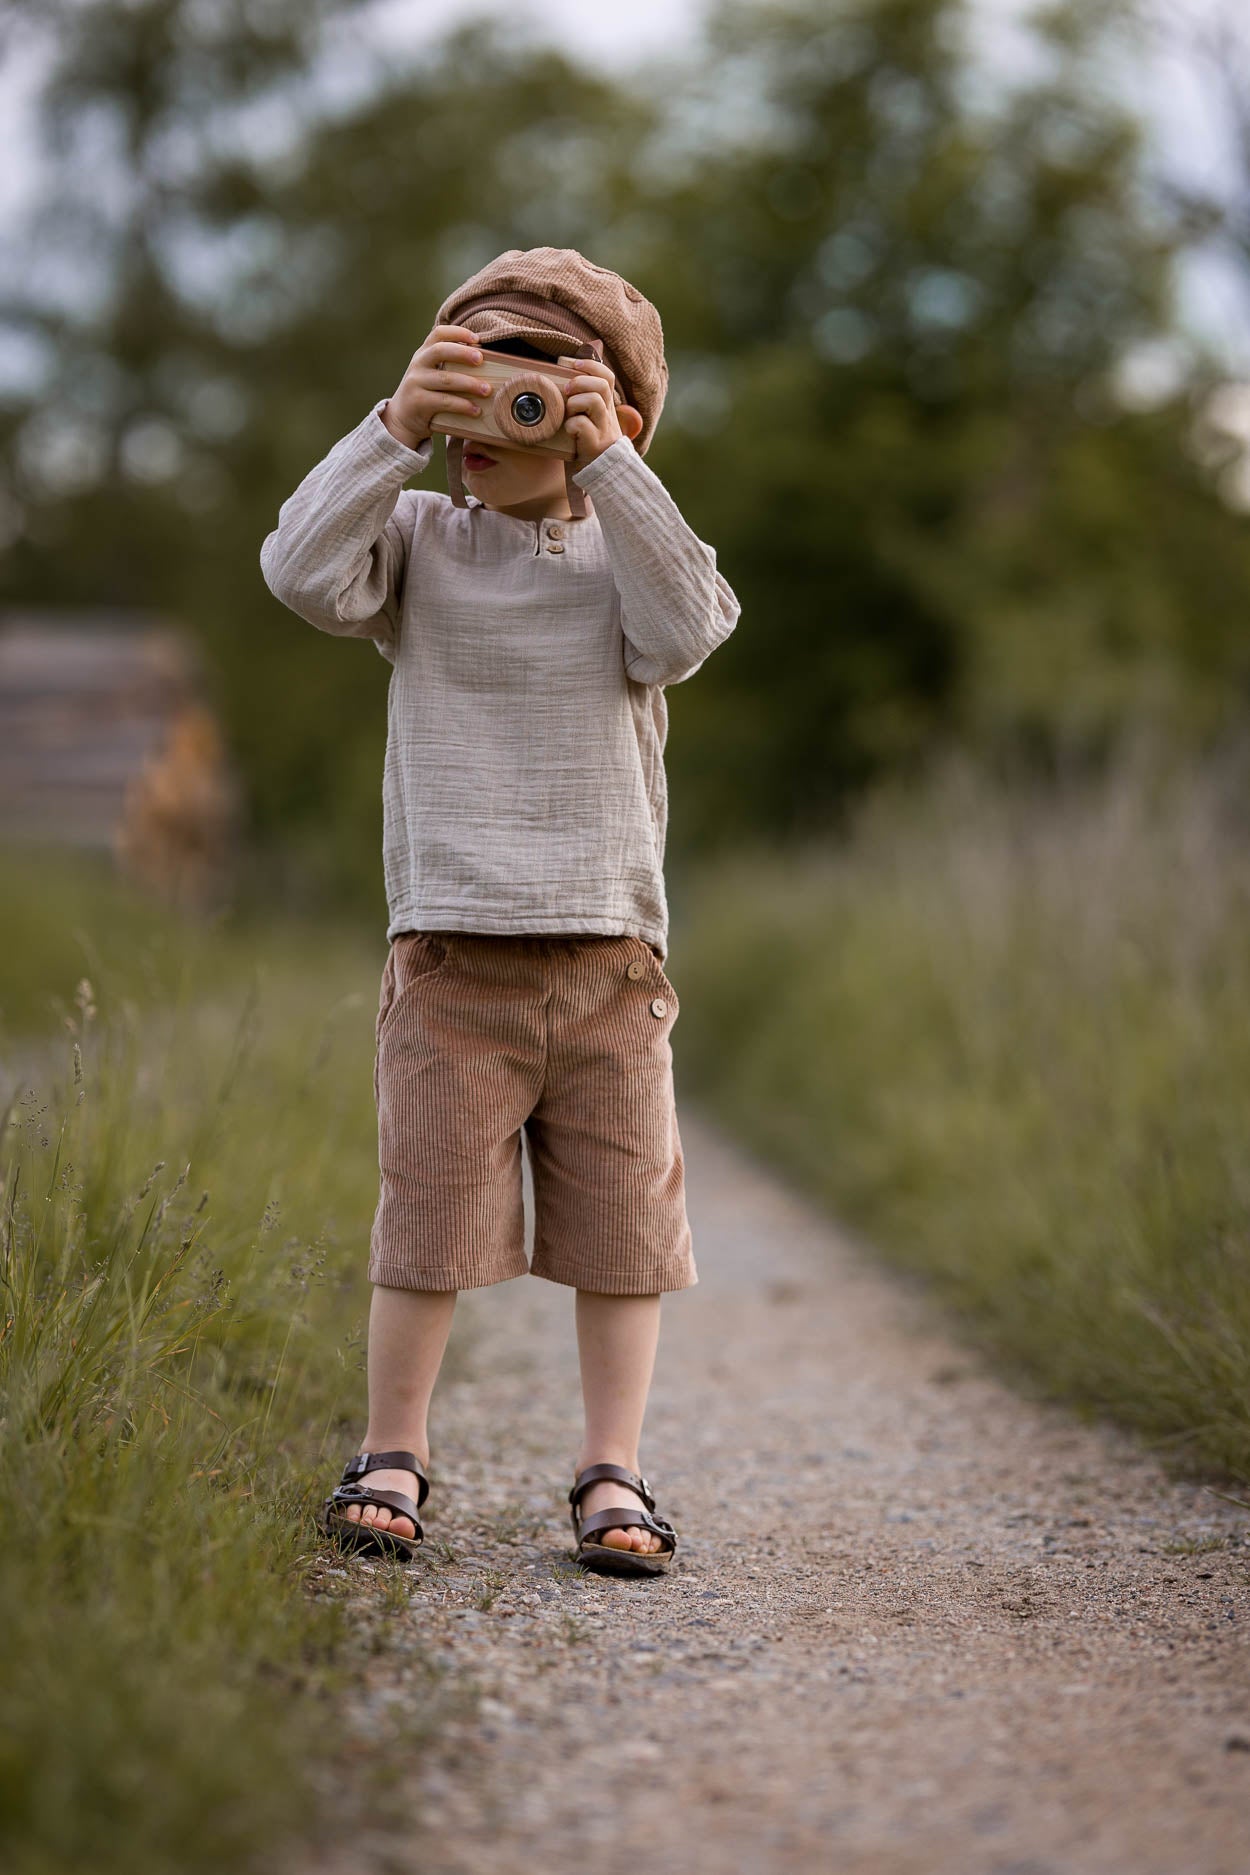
(919, 1624)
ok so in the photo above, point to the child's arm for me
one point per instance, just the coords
(676, 607)
(338, 554)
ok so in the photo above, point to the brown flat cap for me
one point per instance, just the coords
(551, 295)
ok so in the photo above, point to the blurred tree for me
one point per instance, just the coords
(1209, 42)
(897, 302)
(914, 299)
(257, 273)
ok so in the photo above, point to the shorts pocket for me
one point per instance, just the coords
(669, 991)
(659, 983)
(413, 956)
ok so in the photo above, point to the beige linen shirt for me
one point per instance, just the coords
(524, 786)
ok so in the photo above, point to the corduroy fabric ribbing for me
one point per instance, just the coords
(543, 292)
(481, 1036)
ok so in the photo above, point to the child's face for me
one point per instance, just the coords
(517, 480)
(513, 478)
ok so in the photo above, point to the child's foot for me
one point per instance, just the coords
(380, 1514)
(610, 1495)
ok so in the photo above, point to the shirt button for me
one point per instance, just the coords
(658, 1006)
(635, 970)
(555, 546)
(555, 531)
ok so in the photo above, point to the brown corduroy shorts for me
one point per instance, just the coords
(567, 1038)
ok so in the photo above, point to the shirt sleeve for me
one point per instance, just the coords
(676, 607)
(338, 554)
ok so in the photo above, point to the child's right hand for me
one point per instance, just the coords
(426, 389)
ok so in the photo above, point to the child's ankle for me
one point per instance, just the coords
(399, 1442)
(608, 1455)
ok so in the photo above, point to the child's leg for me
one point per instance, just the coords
(408, 1331)
(616, 1343)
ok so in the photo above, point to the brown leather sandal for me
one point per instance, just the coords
(620, 1562)
(351, 1534)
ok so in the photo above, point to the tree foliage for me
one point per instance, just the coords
(895, 305)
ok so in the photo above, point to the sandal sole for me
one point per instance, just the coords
(355, 1538)
(623, 1562)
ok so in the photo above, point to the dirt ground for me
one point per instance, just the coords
(918, 1624)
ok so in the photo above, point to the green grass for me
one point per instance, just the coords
(69, 916)
(189, 1170)
(1006, 1035)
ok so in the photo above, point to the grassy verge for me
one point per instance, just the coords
(1008, 1038)
(187, 1186)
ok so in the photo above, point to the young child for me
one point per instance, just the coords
(524, 812)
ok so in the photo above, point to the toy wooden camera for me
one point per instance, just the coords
(525, 409)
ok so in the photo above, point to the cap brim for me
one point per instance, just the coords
(501, 325)
(490, 326)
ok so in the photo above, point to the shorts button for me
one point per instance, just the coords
(555, 531)
(635, 970)
(658, 1006)
(555, 546)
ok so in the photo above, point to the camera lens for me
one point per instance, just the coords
(529, 408)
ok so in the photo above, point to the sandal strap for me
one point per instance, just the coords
(596, 1474)
(624, 1519)
(390, 1500)
(364, 1462)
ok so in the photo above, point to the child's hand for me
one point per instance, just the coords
(427, 388)
(592, 415)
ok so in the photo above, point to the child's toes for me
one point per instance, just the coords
(380, 1518)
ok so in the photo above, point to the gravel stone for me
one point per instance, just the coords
(918, 1625)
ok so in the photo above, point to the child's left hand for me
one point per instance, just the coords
(590, 410)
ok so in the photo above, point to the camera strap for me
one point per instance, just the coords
(455, 475)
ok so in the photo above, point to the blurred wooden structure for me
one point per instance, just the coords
(107, 742)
